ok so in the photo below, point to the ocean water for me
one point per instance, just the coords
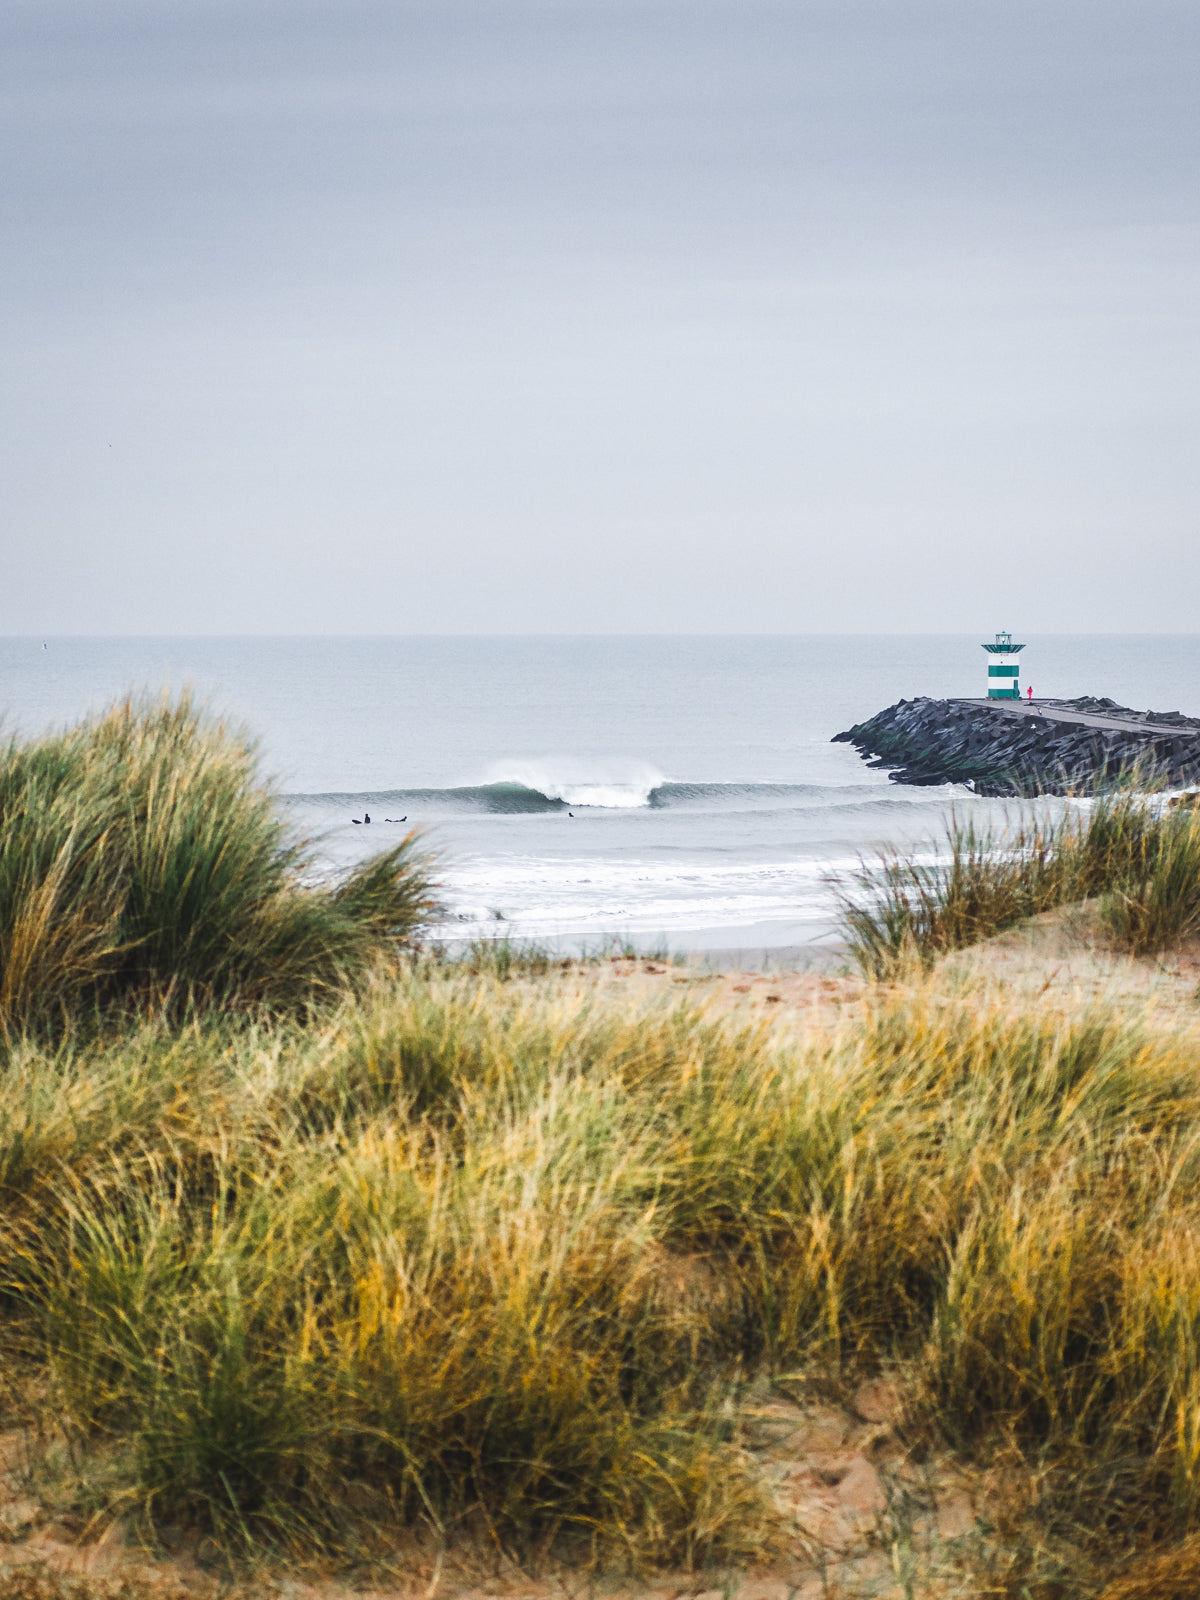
(678, 792)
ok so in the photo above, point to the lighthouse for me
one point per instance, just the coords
(1003, 669)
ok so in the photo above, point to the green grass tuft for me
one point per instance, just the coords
(145, 861)
(1143, 861)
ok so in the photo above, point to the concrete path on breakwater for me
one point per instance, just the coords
(1051, 711)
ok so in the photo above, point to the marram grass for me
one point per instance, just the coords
(143, 861)
(1142, 861)
(467, 1254)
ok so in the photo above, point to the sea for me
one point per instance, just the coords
(678, 794)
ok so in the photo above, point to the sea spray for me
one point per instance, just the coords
(609, 786)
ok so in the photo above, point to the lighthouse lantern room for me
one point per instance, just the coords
(1003, 670)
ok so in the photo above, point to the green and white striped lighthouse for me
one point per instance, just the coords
(1003, 669)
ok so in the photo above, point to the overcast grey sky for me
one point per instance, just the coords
(586, 315)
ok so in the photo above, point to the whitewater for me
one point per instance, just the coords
(677, 792)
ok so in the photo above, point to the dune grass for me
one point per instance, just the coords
(495, 1256)
(477, 1250)
(144, 861)
(1141, 861)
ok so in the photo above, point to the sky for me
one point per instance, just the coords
(558, 316)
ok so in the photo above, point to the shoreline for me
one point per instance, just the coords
(743, 947)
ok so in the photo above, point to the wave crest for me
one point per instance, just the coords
(564, 783)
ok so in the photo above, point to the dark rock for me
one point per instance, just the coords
(998, 750)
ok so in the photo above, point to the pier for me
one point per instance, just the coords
(1022, 747)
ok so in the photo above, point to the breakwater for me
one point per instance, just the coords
(1016, 748)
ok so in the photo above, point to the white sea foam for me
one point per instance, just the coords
(540, 896)
(619, 786)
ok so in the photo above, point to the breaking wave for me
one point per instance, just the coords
(556, 785)
(530, 793)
